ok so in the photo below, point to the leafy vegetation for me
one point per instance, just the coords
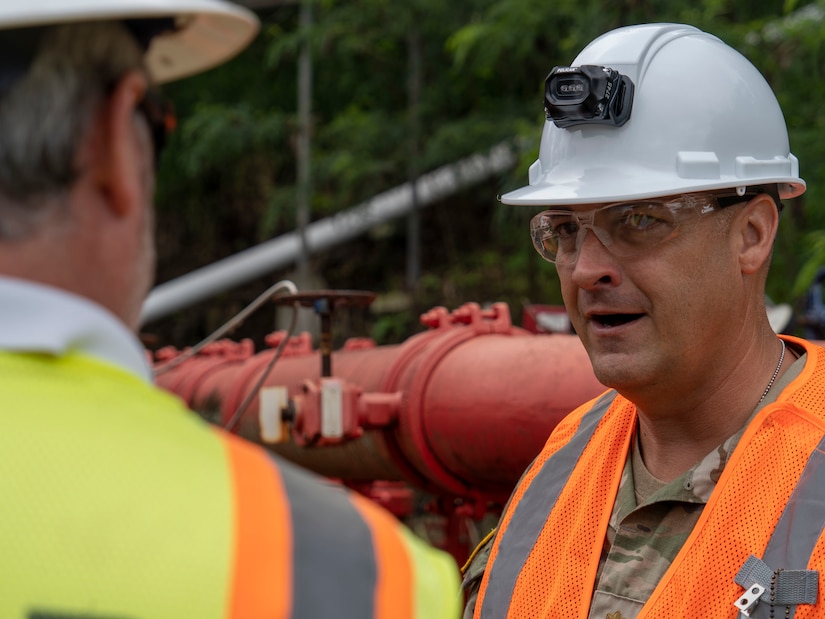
(400, 88)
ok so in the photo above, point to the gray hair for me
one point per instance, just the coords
(46, 113)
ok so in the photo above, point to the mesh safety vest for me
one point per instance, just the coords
(118, 503)
(768, 509)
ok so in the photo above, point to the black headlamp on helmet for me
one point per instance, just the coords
(588, 94)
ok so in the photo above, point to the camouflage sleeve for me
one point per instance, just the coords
(472, 572)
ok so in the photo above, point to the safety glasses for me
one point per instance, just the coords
(160, 115)
(624, 228)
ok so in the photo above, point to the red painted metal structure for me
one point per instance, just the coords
(457, 411)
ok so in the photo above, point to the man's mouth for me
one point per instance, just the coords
(614, 320)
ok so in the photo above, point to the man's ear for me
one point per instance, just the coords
(756, 226)
(120, 146)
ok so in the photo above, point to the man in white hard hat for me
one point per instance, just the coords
(118, 502)
(694, 486)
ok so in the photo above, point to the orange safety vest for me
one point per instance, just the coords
(766, 512)
(118, 503)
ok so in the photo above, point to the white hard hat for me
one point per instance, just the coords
(206, 32)
(701, 117)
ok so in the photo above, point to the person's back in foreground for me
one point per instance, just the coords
(694, 487)
(118, 502)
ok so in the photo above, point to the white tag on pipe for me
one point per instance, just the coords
(273, 401)
(332, 408)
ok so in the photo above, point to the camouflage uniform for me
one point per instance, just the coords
(650, 522)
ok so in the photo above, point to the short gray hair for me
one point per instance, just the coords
(46, 113)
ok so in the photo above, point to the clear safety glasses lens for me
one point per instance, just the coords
(626, 228)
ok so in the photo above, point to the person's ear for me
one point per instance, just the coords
(122, 145)
(756, 227)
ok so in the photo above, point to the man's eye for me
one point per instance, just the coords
(641, 220)
(566, 229)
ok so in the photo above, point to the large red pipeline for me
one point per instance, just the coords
(460, 409)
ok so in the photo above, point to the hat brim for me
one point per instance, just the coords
(208, 32)
(618, 184)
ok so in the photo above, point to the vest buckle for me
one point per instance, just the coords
(749, 599)
(787, 587)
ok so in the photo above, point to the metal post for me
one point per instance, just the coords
(413, 107)
(304, 151)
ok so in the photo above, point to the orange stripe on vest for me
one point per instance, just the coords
(395, 574)
(262, 576)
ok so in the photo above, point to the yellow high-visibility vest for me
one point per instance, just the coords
(116, 502)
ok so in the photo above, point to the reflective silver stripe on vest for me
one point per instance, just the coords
(334, 570)
(800, 527)
(532, 510)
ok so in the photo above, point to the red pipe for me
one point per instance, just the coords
(478, 399)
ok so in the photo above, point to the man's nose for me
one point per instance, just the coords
(593, 265)
(599, 236)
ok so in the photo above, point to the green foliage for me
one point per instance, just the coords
(788, 49)
(217, 135)
(229, 177)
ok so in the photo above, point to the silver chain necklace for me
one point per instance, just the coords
(775, 372)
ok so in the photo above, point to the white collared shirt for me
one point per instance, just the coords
(35, 318)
